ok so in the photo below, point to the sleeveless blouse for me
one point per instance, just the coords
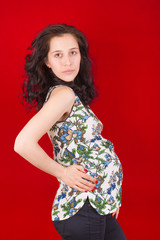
(78, 140)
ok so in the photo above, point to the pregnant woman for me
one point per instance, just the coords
(60, 84)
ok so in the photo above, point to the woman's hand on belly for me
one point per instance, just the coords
(75, 177)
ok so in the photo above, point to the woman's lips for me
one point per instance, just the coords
(68, 71)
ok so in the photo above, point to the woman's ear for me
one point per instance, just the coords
(46, 62)
(48, 65)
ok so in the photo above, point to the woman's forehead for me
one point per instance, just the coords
(64, 42)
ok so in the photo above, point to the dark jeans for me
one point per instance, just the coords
(87, 224)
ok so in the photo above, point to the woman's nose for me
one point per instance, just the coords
(67, 60)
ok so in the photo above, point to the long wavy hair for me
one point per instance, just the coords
(38, 78)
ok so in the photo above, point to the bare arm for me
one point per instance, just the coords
(26, 143)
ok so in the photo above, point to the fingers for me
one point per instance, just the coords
(83, 184)
(76, 177)
(86, 185)
(86, 181)
(86, 176)
(115, 213)
(79, 188)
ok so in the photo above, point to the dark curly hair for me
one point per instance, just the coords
(39, 78)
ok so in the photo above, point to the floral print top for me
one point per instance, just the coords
(78, 140)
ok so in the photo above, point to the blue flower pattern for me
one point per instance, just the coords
(78, 140)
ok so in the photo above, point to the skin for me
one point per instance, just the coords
(67, 56)
(116, 213)
(64, 54)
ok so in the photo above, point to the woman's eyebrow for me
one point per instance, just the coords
(61, 50)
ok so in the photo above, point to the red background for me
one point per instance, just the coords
(124, 39)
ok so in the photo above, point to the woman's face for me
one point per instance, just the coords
(64, 57)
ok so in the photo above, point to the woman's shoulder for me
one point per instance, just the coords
(62, 91)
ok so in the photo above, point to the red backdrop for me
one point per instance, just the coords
(124, 46)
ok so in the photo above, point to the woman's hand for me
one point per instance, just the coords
(116, 212)
(76, 177)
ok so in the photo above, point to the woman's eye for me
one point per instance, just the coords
(57, 55)
(73, 52)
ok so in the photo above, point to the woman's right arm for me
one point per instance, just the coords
(26, 142)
